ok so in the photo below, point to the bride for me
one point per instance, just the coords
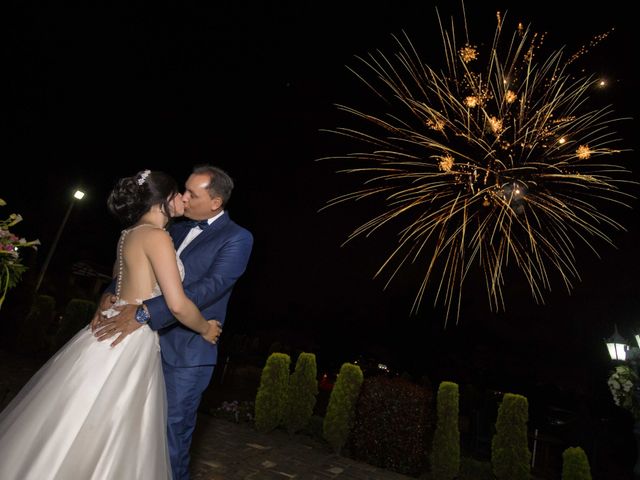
(99, 412)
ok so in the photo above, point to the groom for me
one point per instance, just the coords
(215, 252)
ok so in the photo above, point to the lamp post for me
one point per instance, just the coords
(77, 195)
(621, 351)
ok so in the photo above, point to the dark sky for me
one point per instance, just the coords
(96, 94)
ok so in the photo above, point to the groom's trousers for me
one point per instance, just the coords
(185, 386)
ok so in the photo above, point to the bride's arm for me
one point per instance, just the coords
(162, 256)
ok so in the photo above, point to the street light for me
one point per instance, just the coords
(621, 352)
(77, 195)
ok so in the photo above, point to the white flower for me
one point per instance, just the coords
(622, 384)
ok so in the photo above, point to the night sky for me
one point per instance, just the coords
(248, 86)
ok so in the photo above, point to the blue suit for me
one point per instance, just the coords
(213, 262)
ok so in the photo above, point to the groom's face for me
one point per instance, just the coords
(198, 203)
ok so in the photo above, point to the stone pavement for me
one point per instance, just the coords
(223, 450)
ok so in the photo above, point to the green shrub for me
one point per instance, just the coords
(510, 454)
(31, 334)
(302, 392)
(472, 469)
(272, 392)
(575, 465)
(77, 314)
(392, 424)
(445, 453)
(313, 428)
(338, 419)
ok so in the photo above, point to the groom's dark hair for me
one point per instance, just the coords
(220, 183)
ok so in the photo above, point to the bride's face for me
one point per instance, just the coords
(176, 206)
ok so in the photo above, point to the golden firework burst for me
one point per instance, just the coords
(528, 181)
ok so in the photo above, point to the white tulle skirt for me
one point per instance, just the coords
(91, 412)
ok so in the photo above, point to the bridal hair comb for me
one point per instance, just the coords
(143, 177)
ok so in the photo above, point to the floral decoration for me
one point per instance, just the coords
(11, 267)
(236, 411)
(623, 383)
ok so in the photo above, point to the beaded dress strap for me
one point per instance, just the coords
(123, 234)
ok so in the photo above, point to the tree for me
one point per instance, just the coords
(510, 454)
(272, 392)
(302, 392)
(445, 453)
(338, 419)
(575, 465)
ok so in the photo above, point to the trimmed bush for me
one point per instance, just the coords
(445, 453)
(392, 424)
(338, 419)
(472, 469)
(272, 392)
(77, 315)
(302, 392)
(31, 333)
(313, 428)
(575, 465)
(510, 455)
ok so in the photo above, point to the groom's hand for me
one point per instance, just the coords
(122, 325)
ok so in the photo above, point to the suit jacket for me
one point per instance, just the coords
(213, 262)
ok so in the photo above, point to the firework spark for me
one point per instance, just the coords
(495, 159)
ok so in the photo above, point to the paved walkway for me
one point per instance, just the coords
(223, 450)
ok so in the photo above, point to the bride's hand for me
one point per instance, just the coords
(213, 332)
(106, 302)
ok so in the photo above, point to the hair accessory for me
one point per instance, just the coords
(143, 177)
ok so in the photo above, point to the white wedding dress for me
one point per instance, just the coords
(92, 412)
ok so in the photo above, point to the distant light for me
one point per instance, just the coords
(562, 140)
(79, 194)
(602, 83)
(617, 346)
(617, 351)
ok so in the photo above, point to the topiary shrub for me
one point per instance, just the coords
(472, 469)
(338, 419)
(301, 394)
(77, 314)
(31, 333)
(272, 392)
(510, 455)
(575, 465)
(392, 424)
(445, 453)
(313, 428)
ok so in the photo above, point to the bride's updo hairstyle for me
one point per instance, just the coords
(134, 196)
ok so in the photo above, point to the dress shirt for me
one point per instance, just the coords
(194, 232)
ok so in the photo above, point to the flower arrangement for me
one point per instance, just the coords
(236, 411)
(622, 383)
(11, 269)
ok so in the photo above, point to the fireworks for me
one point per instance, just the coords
(497, 158)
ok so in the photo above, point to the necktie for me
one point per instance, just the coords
(202, 224)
